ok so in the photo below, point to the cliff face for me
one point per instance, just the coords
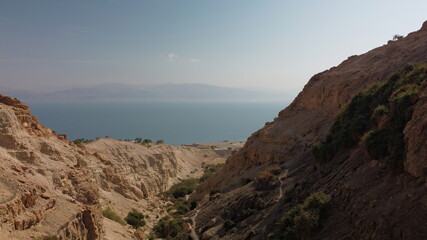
(311, 114)
(44, 189)
(52, 187)
(369, 201)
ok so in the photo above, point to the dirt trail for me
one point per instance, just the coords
(193, 233)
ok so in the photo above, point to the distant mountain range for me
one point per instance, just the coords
(155, 92)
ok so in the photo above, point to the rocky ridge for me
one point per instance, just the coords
(369, 201)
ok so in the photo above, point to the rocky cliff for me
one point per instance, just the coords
(369, 200)
(52, 187)
(45, 190)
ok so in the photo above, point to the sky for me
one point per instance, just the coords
(273, 44)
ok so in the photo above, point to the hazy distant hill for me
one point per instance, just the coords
(159, 92)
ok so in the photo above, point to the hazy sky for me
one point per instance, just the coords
(238, 43)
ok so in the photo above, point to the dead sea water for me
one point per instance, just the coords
(174, 122)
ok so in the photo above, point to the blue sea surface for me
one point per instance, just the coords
(174, 122)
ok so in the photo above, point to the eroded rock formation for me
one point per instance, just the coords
(52, 187)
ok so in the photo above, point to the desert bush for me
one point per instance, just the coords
(110, 214)
(160, 142)
(303, 220)
(397, 37)
(170, 228)
(183, 188)
(151, 236)
(135, 219)
(181, 206)
(379, 111)
(79, 141)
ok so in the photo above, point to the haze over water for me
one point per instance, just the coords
(174, 122)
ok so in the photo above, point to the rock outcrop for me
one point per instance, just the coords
(42, 186)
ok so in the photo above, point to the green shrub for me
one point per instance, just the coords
(182, 188)
(160, 142)
(110, 214)
(303, 220)
(79, 141)
(169, 228)
(151, 236)
(380, 110)
(181, 206)
(135, 219)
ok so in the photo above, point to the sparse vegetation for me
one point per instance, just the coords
(151, 236)
(397, 37)
(390, 100)
(80, 141)
(181, 206)
(183, 188)
(379, 111)
(135, 219)
(267, 178)
(246, 206)
(210, 170)
(170, 228)
(146, 142)
(303, 220)
(160, 142)
(110, 214)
